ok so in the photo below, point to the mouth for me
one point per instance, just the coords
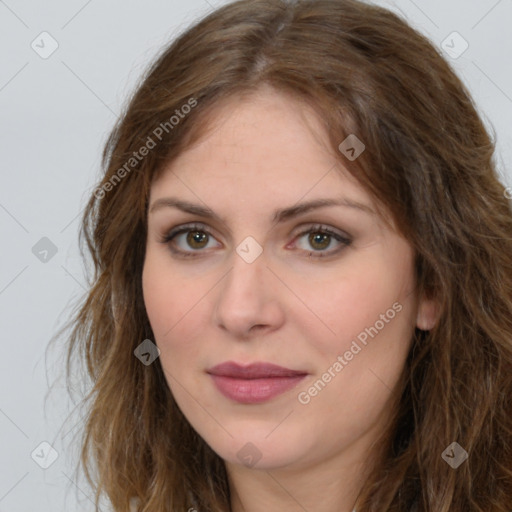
(254, 383)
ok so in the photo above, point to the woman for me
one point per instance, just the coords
(303, 289)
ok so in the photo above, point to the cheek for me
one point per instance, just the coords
(345, 304)
(372, 348)
(159, 298)
(374, 323)
(165, 297)
(175, 309)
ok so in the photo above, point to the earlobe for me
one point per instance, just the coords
(428, 314)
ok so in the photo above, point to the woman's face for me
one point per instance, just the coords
(327, 293)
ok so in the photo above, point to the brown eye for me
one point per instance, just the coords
(321, 238)
(196, 239)
(188, 241)
(319, 241)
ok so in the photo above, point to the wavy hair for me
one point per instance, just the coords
(428, 162)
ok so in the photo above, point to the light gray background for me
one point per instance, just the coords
(55, 114)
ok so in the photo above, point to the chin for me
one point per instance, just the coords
(256, 448)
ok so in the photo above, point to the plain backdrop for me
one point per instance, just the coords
(55, 114)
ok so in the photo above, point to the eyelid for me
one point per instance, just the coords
(342, 238)
(318, 226)
(171, 234)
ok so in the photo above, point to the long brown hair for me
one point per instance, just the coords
(428, 161)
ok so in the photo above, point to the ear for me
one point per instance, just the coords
(428, 314)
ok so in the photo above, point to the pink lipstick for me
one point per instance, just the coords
(254, 383)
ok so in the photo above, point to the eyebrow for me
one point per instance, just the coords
(279, 215)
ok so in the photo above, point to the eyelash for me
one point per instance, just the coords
(317, 229)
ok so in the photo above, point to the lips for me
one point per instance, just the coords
(253, 371)
(254, 383)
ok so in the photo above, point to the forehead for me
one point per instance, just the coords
(260, 153)
(267, 138)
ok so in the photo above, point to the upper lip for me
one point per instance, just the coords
(257, 370)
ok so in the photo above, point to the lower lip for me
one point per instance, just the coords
(254, 391)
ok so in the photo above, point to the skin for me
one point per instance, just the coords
(269, 152)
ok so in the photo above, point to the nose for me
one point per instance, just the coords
(248, 301)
